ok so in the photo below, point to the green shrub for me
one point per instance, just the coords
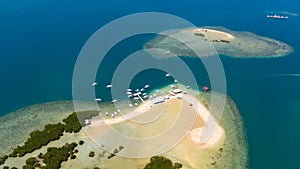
(160, 162)
(38, 139)
(81, 142)
(3, 159)
(40, 155)
(73, 157)
(28, 166)
(92, 154)
(31, 161)
(72, 123)
(111, 155)
(55, 156)
(51, 132)
(177, 165)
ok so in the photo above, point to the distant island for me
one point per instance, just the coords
(225, 41)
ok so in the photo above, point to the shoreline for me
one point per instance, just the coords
(188, 151)
(213, 138)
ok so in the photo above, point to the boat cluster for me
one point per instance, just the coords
(138, 94)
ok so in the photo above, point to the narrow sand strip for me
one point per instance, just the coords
(213, 33)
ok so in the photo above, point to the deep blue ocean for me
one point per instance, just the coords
(40, 42)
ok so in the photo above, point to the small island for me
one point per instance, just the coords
(69, 144)
(225, 41)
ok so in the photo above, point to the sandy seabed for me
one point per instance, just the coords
(210, 41)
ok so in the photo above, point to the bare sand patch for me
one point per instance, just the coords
(212, 34)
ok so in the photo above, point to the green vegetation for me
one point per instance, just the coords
(5, 167)
(223, 41)
(81, 142)
(72, 123)
(111, 155)
(38, 139)
(55, 156)
(73, 156)
(31, 162)
(199, 34)
(40, 155)
(160, 162)
(3, 159)
(51, 132)
(92, 154)
(96, 168)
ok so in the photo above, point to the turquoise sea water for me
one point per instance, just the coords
(40, 41)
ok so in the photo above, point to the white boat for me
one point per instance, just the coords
(136, 98)
(98, 100)
(94, 84)
(168, 75)
(106, 113)
(129, 96)
(114, 101)
(142, 89)
(137, 90)
(109, 86)
(175, 81)
(147, 86)
(136, 104)
(129, 93)
(145, 97)
(129, 90)
(112, 115)
(172, 86)
(130, 105)
(188, 87)
(144, 94)
(87, 121)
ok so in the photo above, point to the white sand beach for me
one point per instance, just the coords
(214, 34)
(208, 134)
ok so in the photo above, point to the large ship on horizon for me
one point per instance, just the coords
(277, 16)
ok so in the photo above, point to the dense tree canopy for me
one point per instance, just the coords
(51, 132)
(160, 162)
